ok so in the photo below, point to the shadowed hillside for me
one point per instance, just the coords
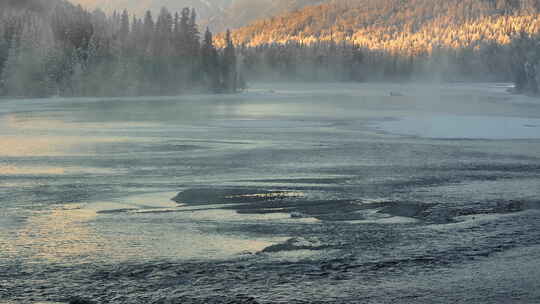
(32, 5)
(217, 14)
(205, 8)
(243, 12)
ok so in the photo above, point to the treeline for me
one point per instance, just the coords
(69, 51)
(452, 40)
(516, 61)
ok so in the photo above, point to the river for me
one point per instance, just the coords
(287, 193)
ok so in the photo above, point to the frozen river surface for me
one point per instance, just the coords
(336, 193)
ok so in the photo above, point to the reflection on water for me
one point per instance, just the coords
(16, 170)
(26, 121)
(39, 122)
(132, 228)
(13, 170)
(18, 146)
(152, 225)
(66, 235)
(50, 145)
(59, 235)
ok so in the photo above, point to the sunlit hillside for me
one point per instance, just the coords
(404, 26)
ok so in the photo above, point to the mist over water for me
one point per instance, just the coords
(379, 193)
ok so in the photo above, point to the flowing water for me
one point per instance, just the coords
(335, 193)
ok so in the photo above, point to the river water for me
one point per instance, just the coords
(334, 193)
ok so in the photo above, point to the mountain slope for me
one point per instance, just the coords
(399, 25)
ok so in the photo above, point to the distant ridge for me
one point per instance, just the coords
(242, 12)
(204, 8)
(217, 14)
(32, 5)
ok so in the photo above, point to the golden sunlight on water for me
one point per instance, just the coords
(56, 236)
(18, 121)
(68, 233)
(16, 170)
(27, 146)
(26, 122)
(182, 232)
(33, 145)
(13, 170)
(37, 136)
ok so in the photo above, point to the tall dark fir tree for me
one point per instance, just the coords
(228, 65)
(210, 62)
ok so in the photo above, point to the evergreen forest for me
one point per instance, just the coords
(58, 49)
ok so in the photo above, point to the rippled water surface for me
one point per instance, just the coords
(337, 193)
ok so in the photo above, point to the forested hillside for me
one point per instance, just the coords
(55, 48)
(399, 25)
(382, 39)
(66, 50)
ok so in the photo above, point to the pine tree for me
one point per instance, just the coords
(124, 25)
(210, 62)
(193, 33)
(148, 31)
(229, 73)
(183, 33)
(164, 24)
